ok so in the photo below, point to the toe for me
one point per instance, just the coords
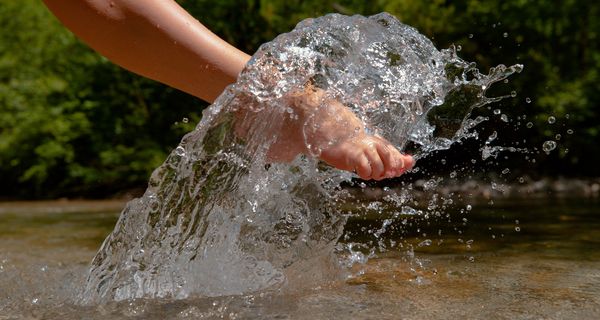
(399, 163)
(388, 157)
(377, 166)
(363, 167)
(407, 164)
(408, 161)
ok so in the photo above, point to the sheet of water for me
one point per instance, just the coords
(219, 219)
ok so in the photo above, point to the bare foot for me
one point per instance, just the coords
(325, 128)
(371, 157)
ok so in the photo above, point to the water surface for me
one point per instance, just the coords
(482, 268)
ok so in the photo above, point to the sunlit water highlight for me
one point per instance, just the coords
(218, 219)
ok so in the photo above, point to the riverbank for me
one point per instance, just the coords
(472, 189)
(62, 206)
(484, 190)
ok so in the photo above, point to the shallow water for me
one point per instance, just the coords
(548, 269)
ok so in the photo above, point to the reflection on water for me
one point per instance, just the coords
(484, 268)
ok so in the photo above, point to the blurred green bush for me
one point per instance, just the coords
(73, 124)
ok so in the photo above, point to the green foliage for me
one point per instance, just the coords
(559, 46)
(556, 41)
(72, 123)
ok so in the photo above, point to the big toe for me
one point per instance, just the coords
(408, 162)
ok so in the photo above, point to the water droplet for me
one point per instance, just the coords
(549, 146)
(453, 174)
(430, 184)
(506, 171)
(513, 94)
(425, 243)
(497, 111)
(505, 34)
(458, 47)
(470, 36)
(185, 120)
(471, 259)
(406, 210)
(529, 125)
(558, 136)
(492, 137)
(551, 119)
(521, 179)
(517, 229)
(180, 151)
(498, 187)
(570, 131)
(528, 100)
(504, 118)
(469, 207)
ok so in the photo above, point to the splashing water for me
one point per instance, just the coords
(218, 219)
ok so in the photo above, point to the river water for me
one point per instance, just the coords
(225, 232)
(549, 269)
